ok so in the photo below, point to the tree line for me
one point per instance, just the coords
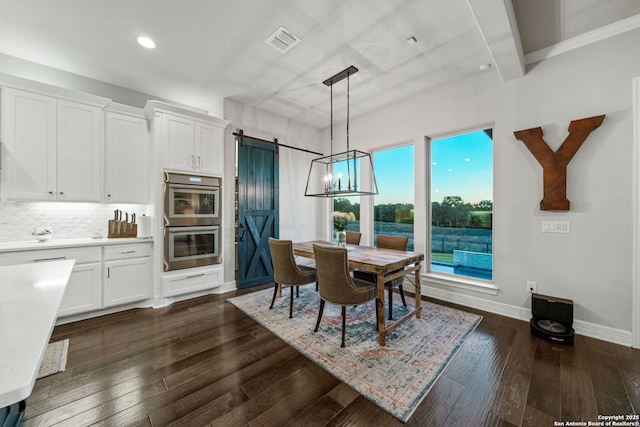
(451, 212)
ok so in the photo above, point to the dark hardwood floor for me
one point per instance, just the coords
(203, 362)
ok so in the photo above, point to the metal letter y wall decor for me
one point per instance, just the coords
(554, 164)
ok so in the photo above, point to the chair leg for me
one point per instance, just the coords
(316, 286)
(390, 303)
(402, 295)
(344, 323)
(291, 304)
(319, 315)
(275, 293)
(297, 291)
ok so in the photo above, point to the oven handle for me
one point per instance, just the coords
(192, 229)
(241, 236)
(181, 186)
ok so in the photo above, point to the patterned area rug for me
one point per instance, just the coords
(396, 377)
(55, 358)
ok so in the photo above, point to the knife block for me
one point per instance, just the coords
(121, 229)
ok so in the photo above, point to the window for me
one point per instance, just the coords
(393, 206)
(462, 204)
(349, 204)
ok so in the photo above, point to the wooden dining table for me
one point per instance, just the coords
(386, 264)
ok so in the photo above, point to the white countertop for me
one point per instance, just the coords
(30, 296)
(30, 245)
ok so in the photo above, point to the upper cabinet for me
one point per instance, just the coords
(127, 156)
(191, 141)
(53, 147)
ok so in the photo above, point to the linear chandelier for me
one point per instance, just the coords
(349, 173)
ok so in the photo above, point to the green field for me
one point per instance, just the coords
(446, 258)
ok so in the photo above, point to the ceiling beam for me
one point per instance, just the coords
(496, 21)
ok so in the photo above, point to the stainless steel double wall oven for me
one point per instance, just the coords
(192, 218)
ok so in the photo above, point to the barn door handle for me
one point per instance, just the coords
(240, 232)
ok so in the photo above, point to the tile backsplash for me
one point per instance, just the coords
(67, 220)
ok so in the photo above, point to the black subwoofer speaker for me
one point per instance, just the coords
(552, 318)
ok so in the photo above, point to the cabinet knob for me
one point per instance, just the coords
(62, 192)
(108, 195)
(51, 192)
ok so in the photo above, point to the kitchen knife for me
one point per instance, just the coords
(113, 223)
(126, 222)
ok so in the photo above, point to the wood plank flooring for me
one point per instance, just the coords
(203, 362)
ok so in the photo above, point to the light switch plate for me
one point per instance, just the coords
(556, 227)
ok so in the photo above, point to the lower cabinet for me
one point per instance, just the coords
(102, 277)
(127, 274)
(192, 280)
(127, 281)
(83, 291)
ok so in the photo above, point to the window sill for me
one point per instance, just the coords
(459, 282)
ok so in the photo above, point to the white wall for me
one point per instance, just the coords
(592, 265)
(52, 76)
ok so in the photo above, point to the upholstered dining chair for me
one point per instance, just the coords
(336, 284)
(387, 242)
(286, 272)
(353, 237)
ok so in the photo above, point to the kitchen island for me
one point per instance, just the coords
(30, 296)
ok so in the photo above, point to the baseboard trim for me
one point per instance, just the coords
(587, 329)
(227, 287)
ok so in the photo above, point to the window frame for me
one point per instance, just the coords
(456, 281)
(371, 202)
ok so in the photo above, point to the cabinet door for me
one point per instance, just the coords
(29, 122)
(210, 146)
(83, 292)
(127, 159)
(79, 152)
(127, 281)
(179, 143)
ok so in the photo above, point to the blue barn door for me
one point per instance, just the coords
(257, 209)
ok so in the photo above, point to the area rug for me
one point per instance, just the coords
(395, 377)
(55, 358)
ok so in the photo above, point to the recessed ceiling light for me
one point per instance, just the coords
(146, 42)
(485, 67)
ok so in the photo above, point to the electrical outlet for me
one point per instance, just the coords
(531, 286)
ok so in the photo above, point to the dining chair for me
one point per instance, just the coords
(336, 284)
(353, 237)
(387, 242)
(286, 272)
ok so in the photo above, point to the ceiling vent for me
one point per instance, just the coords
(282, 40)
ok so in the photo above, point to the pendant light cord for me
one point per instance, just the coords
(348, 165)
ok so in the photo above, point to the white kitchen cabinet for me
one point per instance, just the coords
(53, 147)
(128, 152)
(84, 290)
(181, 282)
(191, 141)
(127, 273)
(210, 147)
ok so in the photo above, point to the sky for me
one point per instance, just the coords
(461, 165)
(394, 171)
